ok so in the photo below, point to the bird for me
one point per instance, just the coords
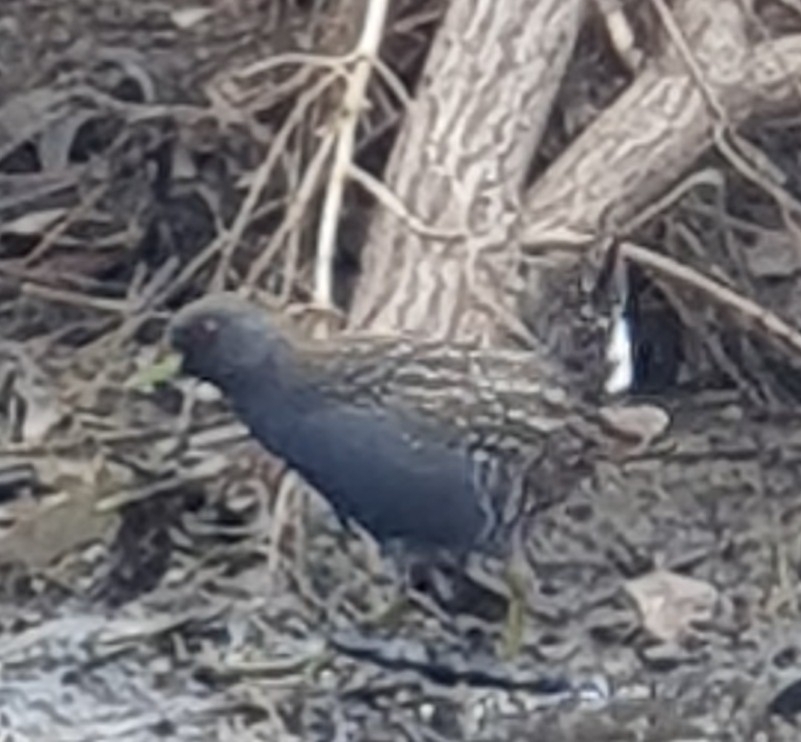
(438, 447)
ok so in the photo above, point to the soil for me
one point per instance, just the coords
(162, 578)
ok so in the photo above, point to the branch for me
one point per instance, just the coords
(355, 95)
(717, 292)
(654, 132)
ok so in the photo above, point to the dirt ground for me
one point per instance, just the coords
(159, 582)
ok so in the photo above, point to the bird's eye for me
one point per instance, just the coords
(205, 330)
(210, 326)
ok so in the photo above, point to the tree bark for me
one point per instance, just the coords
(459, 165)
(682, 104)
(656, 130)
(717, 498)
(461, 158)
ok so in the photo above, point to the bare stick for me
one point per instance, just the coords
(721, 294)
(297, 207)
(73, 298)
(230, 240)
(366, 52)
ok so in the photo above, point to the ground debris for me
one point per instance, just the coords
(162, 578)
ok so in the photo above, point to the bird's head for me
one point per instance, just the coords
(225, 340)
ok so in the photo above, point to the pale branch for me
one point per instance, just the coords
(309, 182)
(229, 241)
(620, 32)
(352, 104)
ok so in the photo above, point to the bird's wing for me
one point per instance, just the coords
(469, 390)
(505, 404)
(529, 437)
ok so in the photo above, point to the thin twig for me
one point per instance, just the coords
(393, 82)
(297, 207)
(366, 53)
(761, 317)
(231, 239)
(388, 199)
(707, 176)
(79, 211)
(688, 56)
(292, 58)
(73, 298)
(731, 150)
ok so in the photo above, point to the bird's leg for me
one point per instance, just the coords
(515, 613)
(421, 583)
(389, 614)
(515, 573)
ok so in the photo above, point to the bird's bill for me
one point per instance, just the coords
(158, 372)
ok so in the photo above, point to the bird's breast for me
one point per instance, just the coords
(372, 468)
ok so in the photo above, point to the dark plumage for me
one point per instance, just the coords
(435, 446)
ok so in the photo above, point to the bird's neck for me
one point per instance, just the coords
(276, 405)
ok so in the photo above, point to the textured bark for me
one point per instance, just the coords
(639, 147)
(460, 164)
(655, 131)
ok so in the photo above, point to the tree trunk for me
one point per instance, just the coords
(657, 129)
(459, 165)
(460, 161)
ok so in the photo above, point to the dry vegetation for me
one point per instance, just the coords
(159, 578)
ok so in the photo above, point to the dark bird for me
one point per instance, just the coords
(430, 445)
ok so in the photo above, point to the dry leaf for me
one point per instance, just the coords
(669, 603)
(188, 17)
(640, 423)
(33, 223)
